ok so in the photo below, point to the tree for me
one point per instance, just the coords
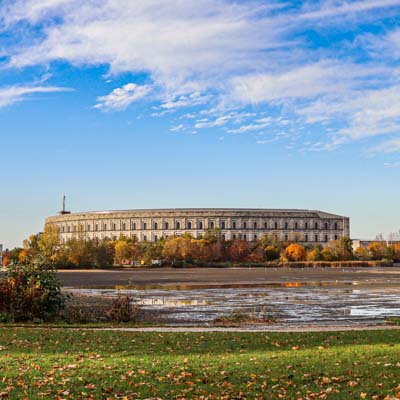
(315, 254)
(377, 250)
(362, 253)
(396, 251)
(295, 252)
(238, 250)
(271, 253)
(49, 244)
(127, 250)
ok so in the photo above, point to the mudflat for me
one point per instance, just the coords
(227, 276)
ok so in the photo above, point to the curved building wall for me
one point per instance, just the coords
(306, 226)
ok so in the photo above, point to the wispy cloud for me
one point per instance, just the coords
(120, 98)
(13, 94)
(393, 164)
(233, 57)
(389, 146)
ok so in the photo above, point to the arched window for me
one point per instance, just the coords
(211, 225)
(178, 225)
(233, 224)
(316, 225)
(286, 225)
(105, 227)
(145, 238)
(296, 225)
(306, 225)
(155, 225)
(144, 225)
(223, 225)
(189, 225)
(233, 237)
(134, 226)
(306, 238)
(286, 237)
(88, 227)
(336, 237)
(326, 238)
(244, 237)
(315, 238)
(244, 225)
(265, 225)
(124, 226)
(255, 238)
(200, 224)
(222, 237)
(336, 225)
(276, 225)
(326, 225)
(155, 238)
(114, 227)
(255, 225)
(166, 225)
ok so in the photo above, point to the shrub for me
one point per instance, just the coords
(29, 293)
(92, 310)
(123, 309)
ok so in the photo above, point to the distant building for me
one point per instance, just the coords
(364, 243)
(304, 226)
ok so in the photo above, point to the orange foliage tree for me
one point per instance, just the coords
(295, 252)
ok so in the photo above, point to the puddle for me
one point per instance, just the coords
(292, 303)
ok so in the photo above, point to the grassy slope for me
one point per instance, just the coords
(43, 363)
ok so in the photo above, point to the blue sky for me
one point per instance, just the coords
(199, 103)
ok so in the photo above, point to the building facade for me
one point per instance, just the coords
(304, 226)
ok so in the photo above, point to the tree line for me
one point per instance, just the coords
(46, 247)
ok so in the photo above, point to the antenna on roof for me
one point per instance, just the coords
(64, 211)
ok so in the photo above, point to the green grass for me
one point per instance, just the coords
(45, 363)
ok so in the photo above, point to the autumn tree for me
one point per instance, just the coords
(315, 254)
(295, 252)
(238, 250)
(378, 250)
(49, 244)
(271, 253)
(362, 253)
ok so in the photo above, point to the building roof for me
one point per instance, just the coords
(312, 213)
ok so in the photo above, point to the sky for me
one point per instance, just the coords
(199, 103)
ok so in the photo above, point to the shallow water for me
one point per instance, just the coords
(292, 303)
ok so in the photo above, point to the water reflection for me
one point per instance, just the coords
(293, 302)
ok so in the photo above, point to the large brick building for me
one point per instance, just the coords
(305, 226)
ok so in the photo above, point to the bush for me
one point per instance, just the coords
(86, 310)
(30, 293)
(124, 309)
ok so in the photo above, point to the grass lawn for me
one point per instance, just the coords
(66, 364)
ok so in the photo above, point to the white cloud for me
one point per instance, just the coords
(393, 164)
(329, 9)
(120, 98)
(369, 113)
(389, 146)
(221, 55)
(193, 99)
(177, 128)
(250, 127)
(13, 94)
(309, 81)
